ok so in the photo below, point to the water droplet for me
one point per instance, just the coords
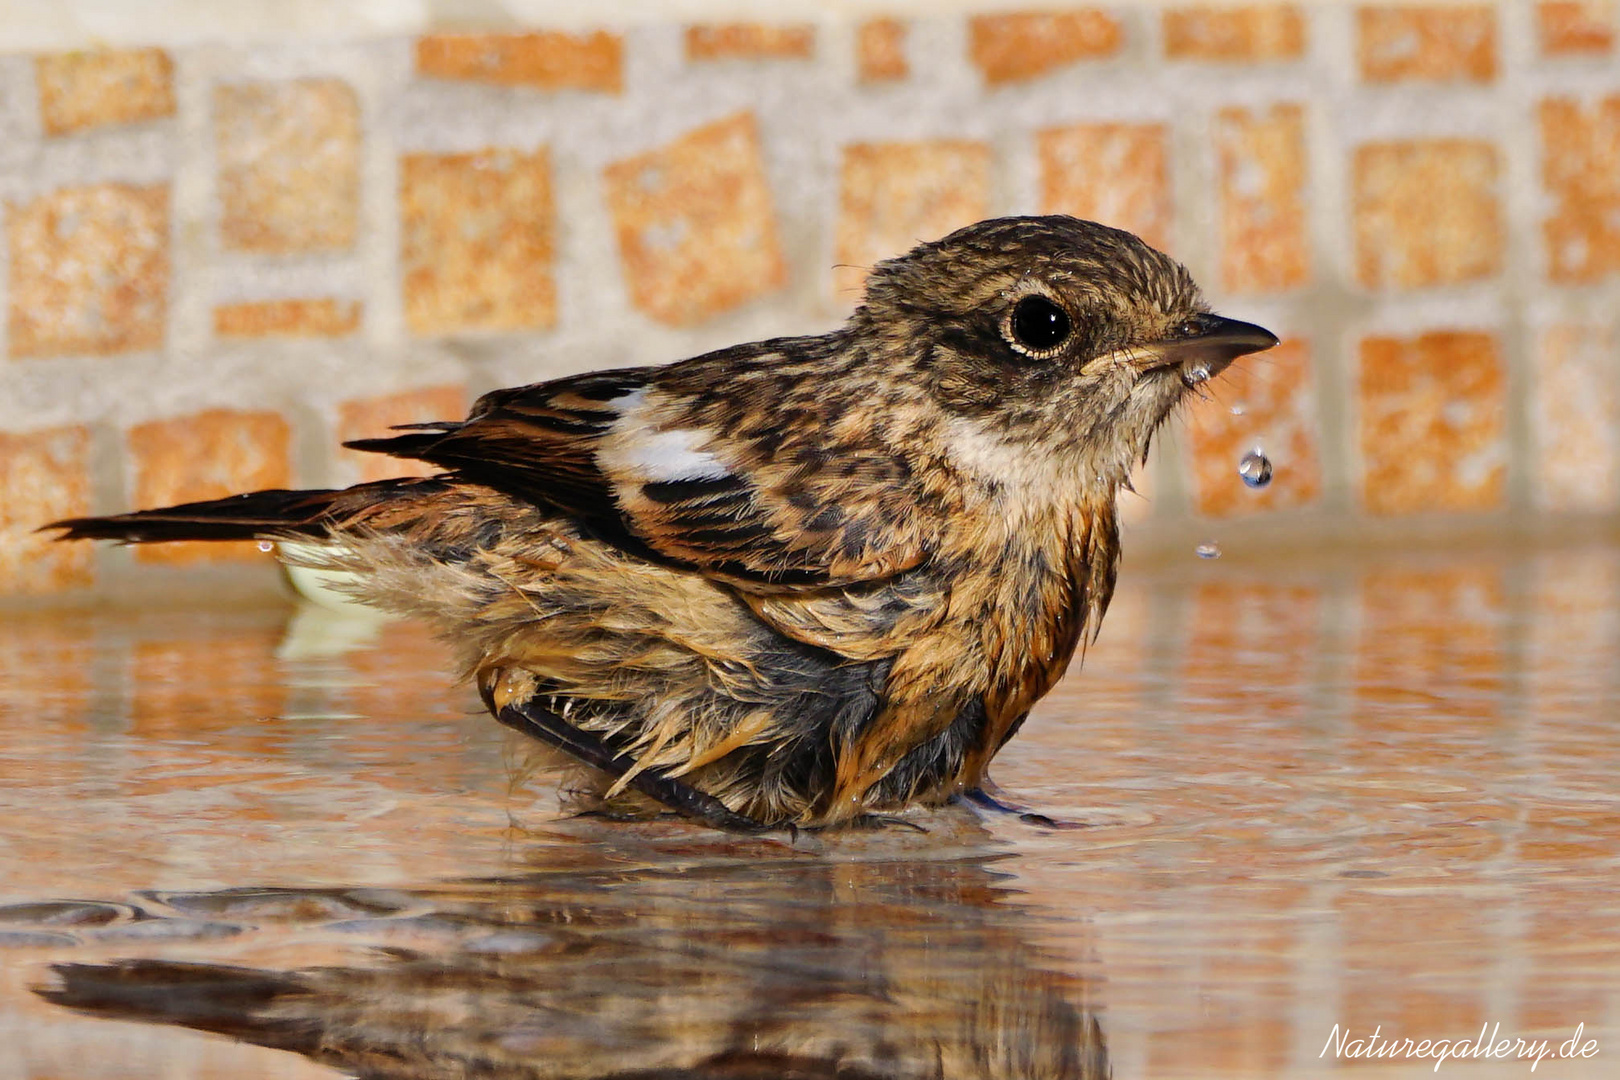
(267, 546)
(1239, 408)
(1255, 468)
(1209, 549)
(1196, 374)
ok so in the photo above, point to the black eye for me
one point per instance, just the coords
(1038, 324)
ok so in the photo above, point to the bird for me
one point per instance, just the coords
(806, 582)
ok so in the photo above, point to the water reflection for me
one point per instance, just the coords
(680, 964)
(1369, 790)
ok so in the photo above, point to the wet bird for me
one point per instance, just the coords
(803, 581)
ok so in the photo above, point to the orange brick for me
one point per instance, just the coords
(1426, 633)
(323, 317)
(1026, 45)
(543, 61)
(46, 477)
(1249, 34)
(880, 50)
(479, 242)
(697, 233)
(1278, 416)
(89, 270)
(82, 90)
(1424, 629)
(48, 673)
(369, 418)
(1575, 416)
(895, 195)
(289, 165)
(1252, 644)
(1265, 238)
(1576, 27)
(1440, 42)
(1581, 169)
(188, 686)
(1431, 420)
(207, 456)
(1426, 213)
(750, 41)
(1118, 174)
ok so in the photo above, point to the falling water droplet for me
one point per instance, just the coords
(267, 546)
(1239, 408)
(1209, 549)
(1255, 468)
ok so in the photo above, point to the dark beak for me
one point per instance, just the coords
(1207, 344)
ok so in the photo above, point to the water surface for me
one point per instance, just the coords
(1380, 792)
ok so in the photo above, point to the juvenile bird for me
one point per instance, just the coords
(801, 581)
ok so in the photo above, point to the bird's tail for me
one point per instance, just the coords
(274, 514)
(239, 517)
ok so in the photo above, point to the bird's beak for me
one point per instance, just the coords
(1208, 346)
(1202, 348)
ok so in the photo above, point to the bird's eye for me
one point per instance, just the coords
(1038, 325)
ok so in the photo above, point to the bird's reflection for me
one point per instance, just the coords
(771, 963)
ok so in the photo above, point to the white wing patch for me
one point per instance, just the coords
(628, 402)
(665, 455)
(638, 449)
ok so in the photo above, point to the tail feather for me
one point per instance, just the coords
(414, 445)
(239, 517)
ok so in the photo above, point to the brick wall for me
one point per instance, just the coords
(218, 260)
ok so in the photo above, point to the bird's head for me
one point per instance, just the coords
(1051, 336)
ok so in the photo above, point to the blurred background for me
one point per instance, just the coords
(233, 239)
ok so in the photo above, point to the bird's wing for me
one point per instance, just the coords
(623, 455)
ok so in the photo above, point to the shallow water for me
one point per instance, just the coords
(1379, 793)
